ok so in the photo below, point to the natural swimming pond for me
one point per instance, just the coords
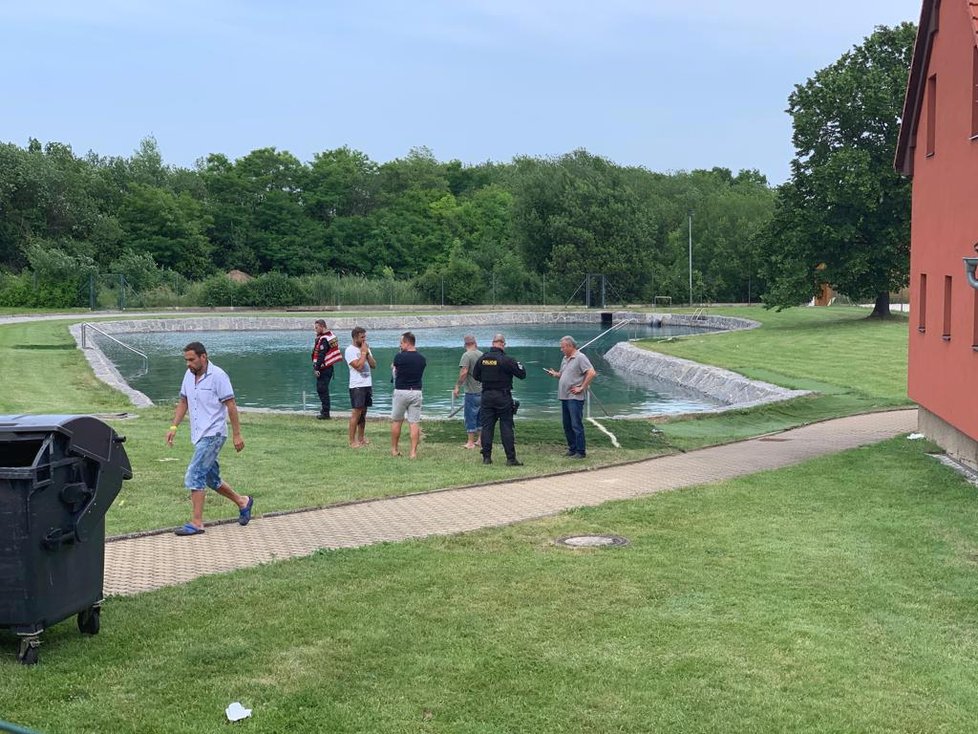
(272, 369)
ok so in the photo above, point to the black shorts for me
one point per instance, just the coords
(361, 397)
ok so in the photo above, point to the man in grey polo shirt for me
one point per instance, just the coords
(575, 374)
(207, 394)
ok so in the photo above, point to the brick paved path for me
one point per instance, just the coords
(140, 564)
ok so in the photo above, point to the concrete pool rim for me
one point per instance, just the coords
(734, 390)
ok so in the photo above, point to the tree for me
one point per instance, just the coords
(580, 214)
(258, 219)
(167, 228)
(844, 217)
(340, 183)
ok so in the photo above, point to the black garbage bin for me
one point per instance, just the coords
(58, 476)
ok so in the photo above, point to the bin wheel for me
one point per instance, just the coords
(88, 621)
(30, 648)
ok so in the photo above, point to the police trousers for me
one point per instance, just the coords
(497, 405)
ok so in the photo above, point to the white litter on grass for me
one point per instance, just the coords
(237, 712)
(168, 458)
(915, 436)
(614, 441)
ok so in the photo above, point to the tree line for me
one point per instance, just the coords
(512, 232)
(343, 227)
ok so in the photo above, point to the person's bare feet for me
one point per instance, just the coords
(468, 446)
(395, 453)
(412, 456)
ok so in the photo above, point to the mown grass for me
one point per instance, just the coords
(851, 363)
(291, 462)
(838, 595)
(808, 348)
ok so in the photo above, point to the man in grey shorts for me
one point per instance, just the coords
(408, 366)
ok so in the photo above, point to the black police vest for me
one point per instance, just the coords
(493, 372)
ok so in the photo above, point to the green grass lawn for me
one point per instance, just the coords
(838, 595)
(852, 363)
(808, 349)
(283, 462)
(291, 462)
(835, 596)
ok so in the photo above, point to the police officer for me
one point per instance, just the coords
(496, 370)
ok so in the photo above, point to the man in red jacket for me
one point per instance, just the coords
(325, 353)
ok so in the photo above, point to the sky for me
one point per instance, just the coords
(664, 84)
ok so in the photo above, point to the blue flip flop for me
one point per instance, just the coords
(244, 514)
(188, 529)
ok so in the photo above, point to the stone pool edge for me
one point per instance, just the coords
(730, 387)
(733, 389)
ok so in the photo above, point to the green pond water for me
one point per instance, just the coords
(272, 369)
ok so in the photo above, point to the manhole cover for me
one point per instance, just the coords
(591, 541)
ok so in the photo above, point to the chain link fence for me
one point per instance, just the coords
(118, 292)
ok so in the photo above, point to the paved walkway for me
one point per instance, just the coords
(140, 564)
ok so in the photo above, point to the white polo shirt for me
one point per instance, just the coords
(205, 400)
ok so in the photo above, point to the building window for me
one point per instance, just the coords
(931, 113)
(946, 334)
(974, 93)
(922, 304)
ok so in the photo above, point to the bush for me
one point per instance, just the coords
(271, 290)
(139, 270)
(355, 290)
(162, 296)
(461, 282)
(218, 290)
(28, 291)
(16, 291)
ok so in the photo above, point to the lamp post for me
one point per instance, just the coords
(690, 258)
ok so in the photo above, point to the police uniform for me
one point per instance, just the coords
(496, 370)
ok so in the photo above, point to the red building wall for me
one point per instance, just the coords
(943, 370)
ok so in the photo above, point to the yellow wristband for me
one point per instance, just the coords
(173, 428)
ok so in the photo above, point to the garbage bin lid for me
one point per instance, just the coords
(88, 435)
(26, 422)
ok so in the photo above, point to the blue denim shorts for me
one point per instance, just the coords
(204, 471)
(473, 402)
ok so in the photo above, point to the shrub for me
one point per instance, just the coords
(271, 290)
(218, 290)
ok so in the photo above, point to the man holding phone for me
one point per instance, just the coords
(574, 375)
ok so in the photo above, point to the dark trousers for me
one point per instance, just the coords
(322, 387)
(572, 412)
(497, 405)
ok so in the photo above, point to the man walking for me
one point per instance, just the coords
(207, 395)
(361, 362)
(495, 370)
(325, 353)
(408, 368)
(473, 390)
(575, 374)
